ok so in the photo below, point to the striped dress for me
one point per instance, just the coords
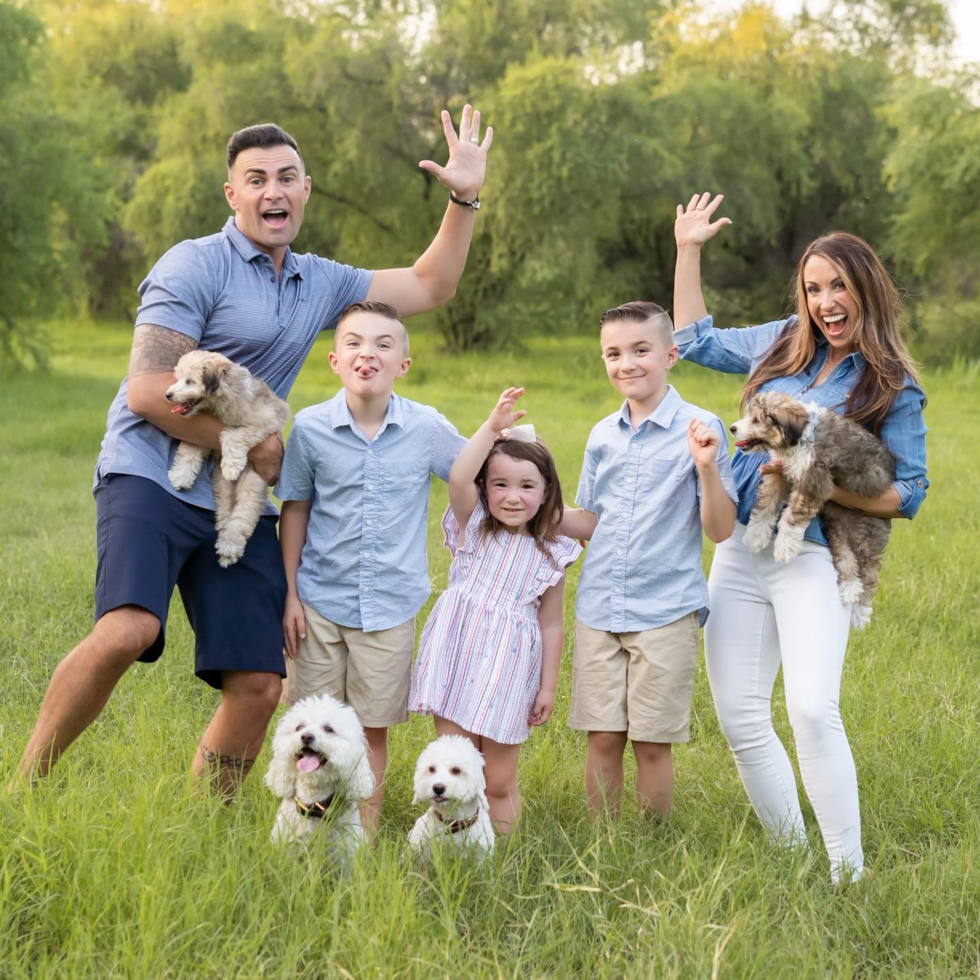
(479, 661)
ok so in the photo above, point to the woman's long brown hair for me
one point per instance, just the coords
(877, 334)
(544, 525)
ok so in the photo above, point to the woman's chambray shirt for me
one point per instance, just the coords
(739, 351)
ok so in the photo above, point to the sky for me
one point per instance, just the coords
(965, 14)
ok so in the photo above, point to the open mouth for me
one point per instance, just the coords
(185, 408)
(440, 799)
(835, 325)
(276, 217)
(309, 760)
(750, 445)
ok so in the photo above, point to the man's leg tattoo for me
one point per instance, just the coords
(215, 763)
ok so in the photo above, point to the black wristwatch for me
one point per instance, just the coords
(474, 204)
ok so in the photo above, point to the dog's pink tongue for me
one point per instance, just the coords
(307, 763)
(176, 409)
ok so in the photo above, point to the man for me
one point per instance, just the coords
(245, 294)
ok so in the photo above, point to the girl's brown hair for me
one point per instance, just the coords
(544, 525)
(877, 334)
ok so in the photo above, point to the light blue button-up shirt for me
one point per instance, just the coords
(739, 351)
(223, 292)
(364, 563)
(642, 568)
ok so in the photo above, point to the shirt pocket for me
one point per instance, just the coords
(405, 474)
(661, 472)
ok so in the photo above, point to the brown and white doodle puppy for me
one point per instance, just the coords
(251, 412)
(818, 449)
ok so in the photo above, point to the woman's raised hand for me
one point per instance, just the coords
(694, 225)
(503, 416)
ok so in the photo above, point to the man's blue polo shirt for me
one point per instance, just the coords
(223, 291)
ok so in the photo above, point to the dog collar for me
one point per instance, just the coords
(313, 810)
(455, 826)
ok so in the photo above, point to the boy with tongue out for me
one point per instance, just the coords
(355, 491)
(245, 294)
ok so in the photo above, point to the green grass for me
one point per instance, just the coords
(115, 867)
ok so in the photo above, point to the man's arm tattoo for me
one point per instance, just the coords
(215, 761)
(157, 349)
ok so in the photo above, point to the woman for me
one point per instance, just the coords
(843, 350)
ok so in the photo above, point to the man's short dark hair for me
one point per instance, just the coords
(262, 135)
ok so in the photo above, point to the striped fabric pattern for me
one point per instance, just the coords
(479, 661)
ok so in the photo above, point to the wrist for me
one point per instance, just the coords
(467, 198)
(706, 469)
(688, 248)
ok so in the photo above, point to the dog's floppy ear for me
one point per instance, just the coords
(211, 376)
(281, 775)
(791, 419)
(361, 784)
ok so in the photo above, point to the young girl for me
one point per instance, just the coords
(488, 659)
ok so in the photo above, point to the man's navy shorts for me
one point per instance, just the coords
(149, 541)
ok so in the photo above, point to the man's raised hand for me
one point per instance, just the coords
(694, 225)
(467, 166)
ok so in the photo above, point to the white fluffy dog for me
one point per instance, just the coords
(320, 771)
(251, 412)
(449, 774)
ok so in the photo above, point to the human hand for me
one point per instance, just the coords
(293, 624)
(773, 466)
(543, 705)
(693, 225)
(467, 166)
(702, 443)
(503, 416)
(266, 458)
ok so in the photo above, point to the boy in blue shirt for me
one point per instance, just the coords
(355, 490)
(655, 474)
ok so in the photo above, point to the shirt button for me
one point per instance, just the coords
(272, 278)
(918, 483)
(620, 552)
(368, 523)
(370, 486)
(366, 554)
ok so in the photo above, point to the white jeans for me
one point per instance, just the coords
(764, 612)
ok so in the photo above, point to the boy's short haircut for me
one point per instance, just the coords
(639, 312)
(263, 135)
(376, 307)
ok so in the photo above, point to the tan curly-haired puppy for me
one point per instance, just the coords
(251, 412)
(818, 449)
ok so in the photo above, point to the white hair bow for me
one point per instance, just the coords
(521, 433)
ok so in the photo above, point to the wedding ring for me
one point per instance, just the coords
(474, 139)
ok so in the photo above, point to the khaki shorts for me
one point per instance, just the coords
(369, 671)
(639, 683)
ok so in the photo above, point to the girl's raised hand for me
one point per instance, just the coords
(694, 225)
(503, 416)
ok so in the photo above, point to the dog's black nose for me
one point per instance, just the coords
(170, 396)
(306, 738)
(439, 789)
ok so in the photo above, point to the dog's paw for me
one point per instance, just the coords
(860, 616)
(180, 478)
(787, 546)
(231, 468)
(758, 535)
(850, 591)
(229, 550)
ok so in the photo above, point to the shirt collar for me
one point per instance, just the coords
(248, 250)
(662, 415)
(856, 356)
(338, 413)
